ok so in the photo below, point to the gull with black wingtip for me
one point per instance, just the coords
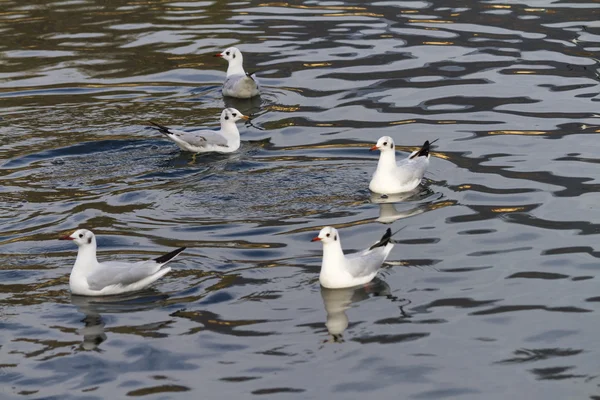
(238, 82)
(92, 278)
(391, 177)
(225, 140)
(342, 271)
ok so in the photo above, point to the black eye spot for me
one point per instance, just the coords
(385, 143)
(234, 56)
(227, 53)
(227, 117)
(90, 241)
(392, 145)
(81, 235)
(328, 235)
(335, 238)
(234, 114)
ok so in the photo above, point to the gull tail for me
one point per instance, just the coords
(385, 239)
(424, 151)
(169, 256)
(162, 129)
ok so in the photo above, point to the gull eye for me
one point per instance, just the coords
(234, 114)
(227, 117)
(81, 235)
(328, 235)
(227, 53)
(385, 143)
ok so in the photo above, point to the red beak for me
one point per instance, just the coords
(218, 55)
(315, 239)
(65, 238)
(374, 148)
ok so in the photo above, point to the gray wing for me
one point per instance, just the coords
(231, 81)
(115, 272)
(202, 138)
(366, 262)
(241, 83)
(409, 170)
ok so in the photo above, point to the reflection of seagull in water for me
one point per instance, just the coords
(337, 301)
(418, 194)
(93, 330)
(389, 214)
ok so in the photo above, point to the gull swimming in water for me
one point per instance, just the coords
(225, 140)
(238, 82)
(92, 278)
(389, 177)
(341, 271)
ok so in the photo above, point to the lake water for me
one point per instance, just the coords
(491, 293)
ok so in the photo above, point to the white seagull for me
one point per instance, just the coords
(238, 82)
(389, 177)
(225, 140)
(341, 271)
(92, 278)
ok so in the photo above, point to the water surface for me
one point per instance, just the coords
(491, 292)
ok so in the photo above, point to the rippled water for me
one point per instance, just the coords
(491, 293)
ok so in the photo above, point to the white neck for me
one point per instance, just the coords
(230, 130)
(333, 257)
(387, 161)
(236, 67)
(86, 257)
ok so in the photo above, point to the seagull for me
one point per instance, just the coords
(225, 140)
(389, 177)
(341, 271)
(238, 83)
(92, 278)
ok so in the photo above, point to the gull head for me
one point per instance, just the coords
(81, 237)
(232, 115)
(327, 235)
(232, 55)
(385, 143)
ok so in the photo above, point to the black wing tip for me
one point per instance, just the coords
(161, 128)
(385, 239)
(249, 74)
(423, 151)
(169, 256)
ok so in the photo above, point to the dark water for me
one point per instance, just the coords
(492, 292)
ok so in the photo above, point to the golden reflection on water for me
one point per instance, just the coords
(507, 209)
(283, 108)
(439, 43)
(322, 64)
